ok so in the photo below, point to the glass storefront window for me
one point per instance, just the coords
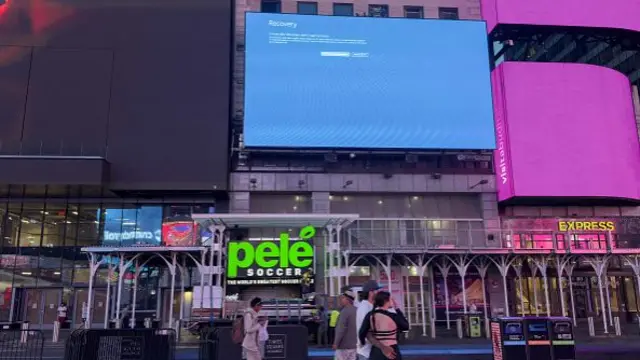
(31, 225)
(134, 225)
(53, 233)
(86, 216)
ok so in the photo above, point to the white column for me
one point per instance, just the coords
(483, 268)
(93, 268)
(183, 276)
(534, 281)
(331, 265)
(560, 265)
(387, 269)
(542, 263)
(503, 263)
(339, 260)
(107, 302)
(201, 270)
(517, 267)
(607, 284)
(461, 263)
(132, 320)
(569, 271)
(432, 297)
(444, 268)
(599, 264)
(215, 239)
(172, 270)
(122, 266)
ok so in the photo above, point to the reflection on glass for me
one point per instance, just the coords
(129, 226)
(31, 225)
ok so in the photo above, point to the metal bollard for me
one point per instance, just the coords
(56, 332)
(432, 326)
(459, 327)
(24, 333)
(487, 328)
(592, 329)
(616, 324)
(147, 323)
(118, 323)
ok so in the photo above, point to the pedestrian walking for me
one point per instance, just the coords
(251, 325)
(346, 331)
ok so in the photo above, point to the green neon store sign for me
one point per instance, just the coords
(244, 258)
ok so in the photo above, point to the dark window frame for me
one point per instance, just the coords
(276, 3)
(449, 13)
(349, 5)
(307, 3)
(383, 10)
(414, 9)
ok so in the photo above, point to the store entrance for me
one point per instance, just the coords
(37, 306)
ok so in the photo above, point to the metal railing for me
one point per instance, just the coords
(142, 344)
(360, 238)
(22, 344)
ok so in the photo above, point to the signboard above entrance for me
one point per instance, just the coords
(285, 261)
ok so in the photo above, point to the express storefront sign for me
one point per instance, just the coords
(586, 225)
(592, 225)
(279, 262)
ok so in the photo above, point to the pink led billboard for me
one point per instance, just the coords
(564, 130)
(621, 14)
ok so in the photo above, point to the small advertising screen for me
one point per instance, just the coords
(132, 226)
(364, 82)
(282, 262)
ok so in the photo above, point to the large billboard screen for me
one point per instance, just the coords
(565, 130)
(620, 14)
(357, 82)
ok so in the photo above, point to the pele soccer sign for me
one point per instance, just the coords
(284, 261)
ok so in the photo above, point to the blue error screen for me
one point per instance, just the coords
(362, 82)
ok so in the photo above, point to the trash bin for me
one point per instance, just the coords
(538, 338)
(508, 339)
(563, 345)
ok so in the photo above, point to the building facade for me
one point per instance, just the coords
(137, 209)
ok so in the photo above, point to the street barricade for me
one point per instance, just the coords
(121, 344)
(21, 344)
(285, 342)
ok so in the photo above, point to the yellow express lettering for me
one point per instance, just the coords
(586, 226)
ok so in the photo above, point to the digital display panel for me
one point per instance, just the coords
(130, 226)
(360, 82)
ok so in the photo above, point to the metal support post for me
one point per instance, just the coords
(503, 263)
(542, 263)
(172, 271)
(599, 264)
(569, 267)
(483, 268)
(517, 267)
(444, 268)
(461, 263)
(136, 274)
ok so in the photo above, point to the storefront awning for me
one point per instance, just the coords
(276, 220)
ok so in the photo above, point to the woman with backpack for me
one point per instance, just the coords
(248, 329)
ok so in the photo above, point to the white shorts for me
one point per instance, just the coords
(346, 354)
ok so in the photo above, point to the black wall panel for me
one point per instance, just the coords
(144, 82)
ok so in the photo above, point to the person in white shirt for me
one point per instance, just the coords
(263, 336)
(62, 313)
(370, 288)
